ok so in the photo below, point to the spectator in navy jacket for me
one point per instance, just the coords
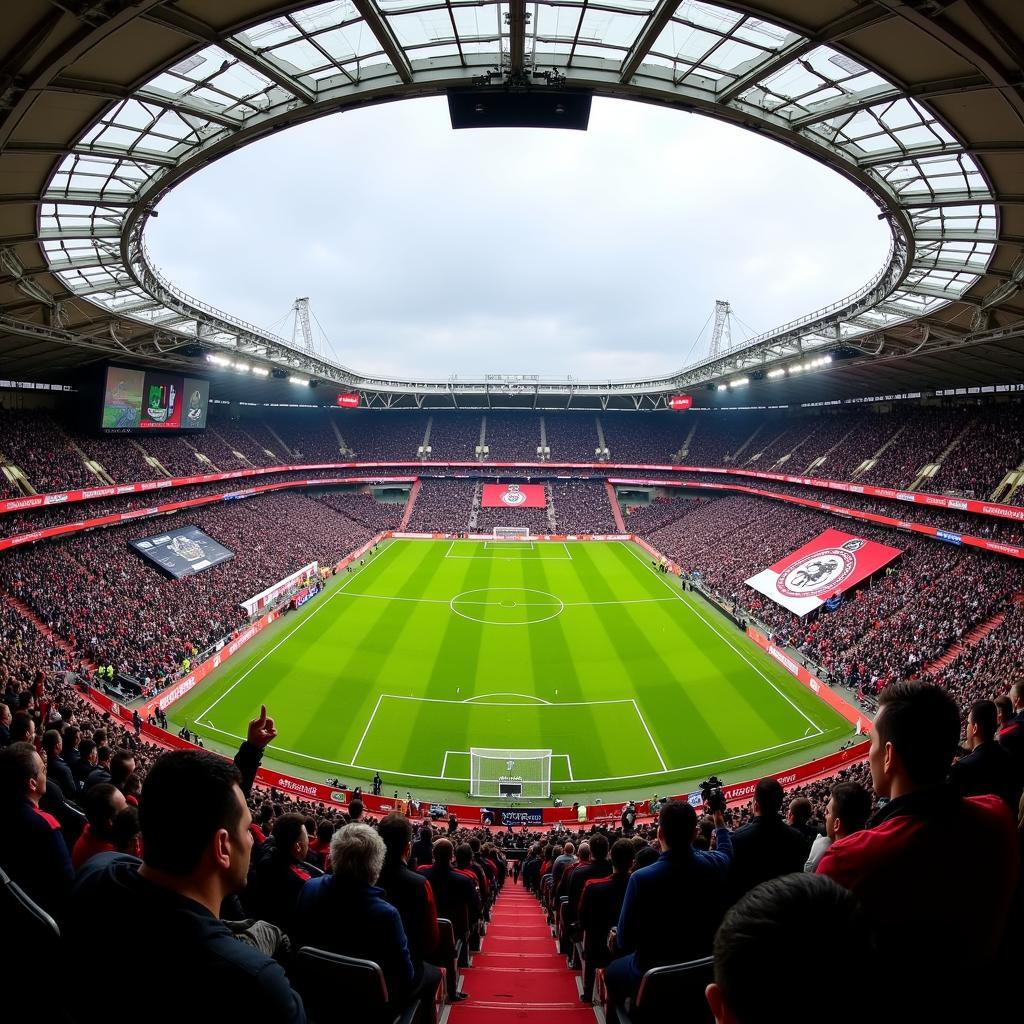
(345, 912)
(32, 847)
(988, 768)
(673, 907)
(195, 830)
(767, 847)
(455, 893)
(599, 909)
(56, 767)
(932, 865)
(277, 880)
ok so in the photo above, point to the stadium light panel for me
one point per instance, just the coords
(723, 387)
(296, 380)
(739, 382)
(775, 374)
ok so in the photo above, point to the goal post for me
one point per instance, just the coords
(500, 772)
(512, 533)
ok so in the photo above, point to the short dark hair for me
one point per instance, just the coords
(22, 726)
(677, 821)
(852, 805)
(17, 769)
(396, 831)
(125, 827)
(119, 765)
(644, 856)
(442, 852)
(795, 919)
(100, 807)
(70, 734)
(85, 749)
(922, 723)
(623, 853)
(287, 830)
(1004, 706)
(324, 831)
(599, 846)
(49, 741)
(187, 797)
(463, 855)
(769, 796)
(983, 715)
(800, 810)
(355, 809)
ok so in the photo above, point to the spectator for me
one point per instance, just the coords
(455, 895)
(988, 768)
(672, 908)
(789, 925)
(566, 859)
(346, 913)
(126, 833)
(600, 905)
(422, 850)
(766, 847)
(196, 841)
(906, 865)
(32, 847)
(88, 759)
(56, 767)
(598, 867)
(276, 881)
(799, 817)
(5, 724)
(102, 805)
(848, 810)
(407, 890)
(1011, 736)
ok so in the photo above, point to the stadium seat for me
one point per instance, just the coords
(449, 953)
(667, 995)
(343, 990)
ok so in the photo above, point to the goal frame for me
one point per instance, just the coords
(535, 785)
(512, 533)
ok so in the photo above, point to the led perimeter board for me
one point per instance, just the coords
(182, 552)
(143, 400)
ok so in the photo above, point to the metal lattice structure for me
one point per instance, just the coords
(103, 111)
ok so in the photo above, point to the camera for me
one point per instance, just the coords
(711, 791)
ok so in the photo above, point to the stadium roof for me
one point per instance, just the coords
(921, 104)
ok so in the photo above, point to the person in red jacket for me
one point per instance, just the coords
(934, 871)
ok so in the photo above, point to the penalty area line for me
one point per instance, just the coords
(654, 745)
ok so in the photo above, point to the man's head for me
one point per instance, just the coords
(568, 850)
(101, 805)
(584, 853)
(355, 809)
(677, 825)
(357, 854)
(800, 811)
(87, 751)
(443, 851)
(103, 756)
(768, 796)
(195, 821)
(125, 835)
(915, 735)
(122, 764)
(982, 723)
(623, 852)
(396, 831)
(5, 714)
(463, 855)
(71, 735)
(23, 728)
(291, 840)
(848, 810)
(796, 919)
(51, 743)
(599, 846)
(1004, 709)
(22, 774)
(1017, 697)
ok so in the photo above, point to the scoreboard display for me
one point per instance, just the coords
(145, 400)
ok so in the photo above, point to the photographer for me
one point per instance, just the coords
(672, 907)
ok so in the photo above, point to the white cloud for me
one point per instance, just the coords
(429, 252)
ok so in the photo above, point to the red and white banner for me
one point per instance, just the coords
(514, 496)
(831, 563)
(347, 400)
(680, 403)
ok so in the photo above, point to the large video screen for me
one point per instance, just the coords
(136, 399)
(182, 552)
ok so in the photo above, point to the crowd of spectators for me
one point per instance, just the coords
(395, 435)
(582, 506)
(362, 508)
(644, 438)
(309, 434)
(235, 436)
(33, 440)
(442, 506)
(572, 437)
(993, 447)
(512, 436)
(454, 436)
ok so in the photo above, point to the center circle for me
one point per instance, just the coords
(506, 606)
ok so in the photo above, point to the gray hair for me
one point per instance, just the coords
(357, 852)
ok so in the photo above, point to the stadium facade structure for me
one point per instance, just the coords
(919, 104)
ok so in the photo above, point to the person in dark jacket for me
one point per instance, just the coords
(102, 805)
(988, 768)
(32, 847)
(345, 912)
(454, 893)
(766, 847)
(57, 768)
(422, 849)
(599, 909)
(88, 759)
(599, 866)
(277, 880)
(196, 841)
(673, 907)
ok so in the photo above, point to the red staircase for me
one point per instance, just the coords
(519, 974)
(616, 511)
(973, 638)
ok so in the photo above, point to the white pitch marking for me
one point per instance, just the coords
(316, 611)
(643, 722)
(368, 724)
(505, 693)
(707, 622)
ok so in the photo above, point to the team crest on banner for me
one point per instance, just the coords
(514, 496)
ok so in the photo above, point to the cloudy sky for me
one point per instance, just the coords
(430, 252)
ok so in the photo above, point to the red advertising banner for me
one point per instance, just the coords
(828, 565)
(514, 496)
(348, 400)
(680, 402)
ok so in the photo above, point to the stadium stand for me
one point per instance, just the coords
(454, 436)
(443, 506)
(513, 437)
(582, 507)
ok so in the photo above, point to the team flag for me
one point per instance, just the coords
(514, 496)
(823, 568)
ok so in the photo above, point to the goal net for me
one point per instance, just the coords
(497, 772)
(511, 533)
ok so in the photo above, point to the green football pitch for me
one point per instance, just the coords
(579, 648)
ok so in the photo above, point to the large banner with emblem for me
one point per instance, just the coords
(824, 567)
(514, 496)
